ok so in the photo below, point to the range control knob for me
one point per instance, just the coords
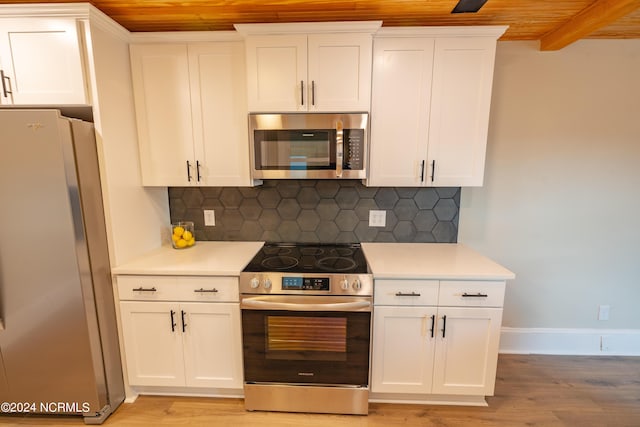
(267, 283)
(254, 283)
(344, 284)
(357, 285)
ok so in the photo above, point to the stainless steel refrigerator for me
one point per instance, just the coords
(59, 352)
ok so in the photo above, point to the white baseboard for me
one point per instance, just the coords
(602, 342)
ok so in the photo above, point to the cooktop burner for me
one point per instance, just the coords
(309, 258)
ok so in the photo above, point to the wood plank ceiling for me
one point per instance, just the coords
(555, 23)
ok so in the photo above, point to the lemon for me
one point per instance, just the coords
(175, 237)
(191, 242)
(178, 231)
(181, 243)
(187, 235)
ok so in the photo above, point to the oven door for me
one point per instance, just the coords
(306, 340)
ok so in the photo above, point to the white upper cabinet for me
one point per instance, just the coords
(41, 61)
(191, 110)
(430, 106)
(309, 67)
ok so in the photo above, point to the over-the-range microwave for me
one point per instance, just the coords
(309, 145)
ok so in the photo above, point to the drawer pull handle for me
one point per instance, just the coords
(412, 294)
(214, 290)
(478, 295)
(141, 289)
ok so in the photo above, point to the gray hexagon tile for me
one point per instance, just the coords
(308, 220)
(347, 198)
(426, 198)
(269, 219)
(325, 211)
(269, 198)
(308, 198)
(445, 209)
(231, 198)
(347, 220)
(250, 209)
(364, 206)
(406, 209)
(386, 198)
(404, 231)
(425, 221)
(288, 230)
(192, 197)
(288, 188)
(327, 189)
(288, 208)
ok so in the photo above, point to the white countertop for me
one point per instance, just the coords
(204, 258)
(448, 261)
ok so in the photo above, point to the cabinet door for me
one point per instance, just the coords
(152, 347)
(466, 351)
(212, 345)
(339, 75)
(42, 61)
(462, 80)
(218, 98)
(163, 112)
(277, 73)
(402, 358)
(400, 102)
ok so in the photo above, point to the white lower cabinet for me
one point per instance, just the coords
(181, 343)
(421, 348)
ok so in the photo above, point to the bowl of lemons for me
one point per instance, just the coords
(182, 235)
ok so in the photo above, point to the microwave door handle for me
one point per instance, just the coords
(339, 148)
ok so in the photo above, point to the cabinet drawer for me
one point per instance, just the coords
(178, 288)
(405, 292)
(471, 293)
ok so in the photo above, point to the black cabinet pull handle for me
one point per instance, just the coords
(214, 290)
(184, 324)
(5, 91)
(188, 171)
(198, 176)
(173, 323)
(301, 92)
(412, 294)
(141, 289)
(444, 325)
(433, 325)
(433, 169)
(313, 92)
(478, 295)
(422, 172)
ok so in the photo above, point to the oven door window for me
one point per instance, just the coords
(294, 149)
(306, 347)
(306, 338)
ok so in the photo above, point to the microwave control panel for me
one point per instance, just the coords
(354, 149)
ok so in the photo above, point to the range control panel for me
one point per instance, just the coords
(305, 283)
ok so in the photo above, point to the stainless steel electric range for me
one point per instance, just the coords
(306, 324)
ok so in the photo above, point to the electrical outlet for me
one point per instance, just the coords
(603, 312)
(377, 218)
(209, 217)
(604, 343)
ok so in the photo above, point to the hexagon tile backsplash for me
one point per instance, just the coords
(319, 211)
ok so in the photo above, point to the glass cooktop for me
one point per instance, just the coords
(309, 258)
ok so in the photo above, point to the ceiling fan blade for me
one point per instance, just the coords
(468, 6)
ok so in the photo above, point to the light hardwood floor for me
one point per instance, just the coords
(531, 390)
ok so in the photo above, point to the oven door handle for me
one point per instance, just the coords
(260, 304)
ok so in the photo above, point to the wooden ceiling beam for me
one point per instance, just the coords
(592, 18)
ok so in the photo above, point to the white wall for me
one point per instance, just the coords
(136, 216)
(560, 205)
